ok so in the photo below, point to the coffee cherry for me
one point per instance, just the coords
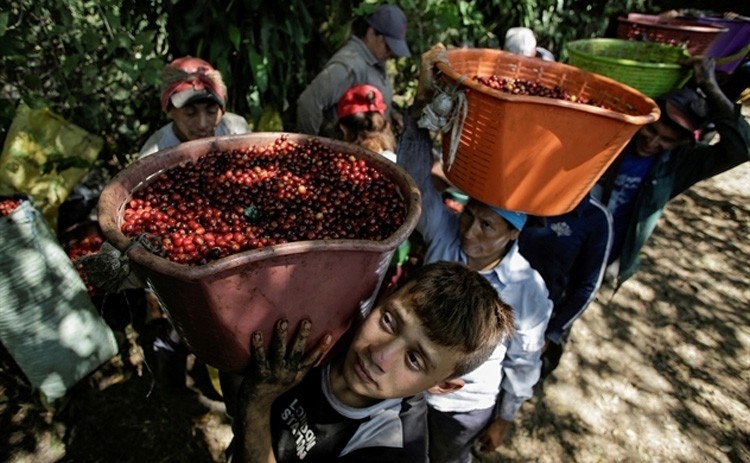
(8, 205)
(525, 87)
(247, 198)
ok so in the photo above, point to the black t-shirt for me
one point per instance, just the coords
(309, 424)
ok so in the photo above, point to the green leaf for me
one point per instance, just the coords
(90, 41)
(120, 94)
(260, 72)
(123, 40)
(70, 63)
(145, 39)
(234, 36)
(3, 23)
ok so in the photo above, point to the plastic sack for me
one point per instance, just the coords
(46, 156)
(48, 323)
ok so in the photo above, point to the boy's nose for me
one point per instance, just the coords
(383, 356)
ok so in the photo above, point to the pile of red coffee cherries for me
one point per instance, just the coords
(83, 246)
(527, 87)
(8, 205)
(232, 201)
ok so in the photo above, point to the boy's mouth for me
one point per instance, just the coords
(363, 372)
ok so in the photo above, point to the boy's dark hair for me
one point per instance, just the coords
(459, 308)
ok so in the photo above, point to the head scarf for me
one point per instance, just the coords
(195, 75)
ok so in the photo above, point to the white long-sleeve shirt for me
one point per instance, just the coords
(515, 365)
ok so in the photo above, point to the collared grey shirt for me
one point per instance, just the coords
(352, 64)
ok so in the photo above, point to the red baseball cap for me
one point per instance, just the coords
(360, 99)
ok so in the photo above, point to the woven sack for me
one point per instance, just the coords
(47, 321)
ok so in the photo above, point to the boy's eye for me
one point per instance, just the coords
(386, 320)
(415, 361)
(487, 224)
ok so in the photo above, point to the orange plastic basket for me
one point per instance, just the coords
(695, 36)
(535, 154)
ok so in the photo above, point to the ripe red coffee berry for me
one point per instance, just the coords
(527, 87)
(236, 200)
(8, 205)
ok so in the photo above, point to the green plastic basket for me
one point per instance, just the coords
(648, 67)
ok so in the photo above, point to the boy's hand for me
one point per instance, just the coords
(273, 373)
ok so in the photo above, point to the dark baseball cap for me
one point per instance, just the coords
(390, 22)
(687, 108)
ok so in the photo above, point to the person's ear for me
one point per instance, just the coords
(344, 131)
(447, 386)
(514, 234)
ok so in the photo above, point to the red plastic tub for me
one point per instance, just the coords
(696, 37)
(217, 306)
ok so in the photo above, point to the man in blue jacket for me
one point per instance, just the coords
(570, 252)
(664, 159)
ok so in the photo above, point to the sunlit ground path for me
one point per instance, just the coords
(661, 371)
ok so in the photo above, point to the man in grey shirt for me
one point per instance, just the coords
(375, 39)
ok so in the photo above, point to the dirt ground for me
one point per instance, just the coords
(658, 372)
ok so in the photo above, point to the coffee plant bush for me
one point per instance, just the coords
(98, 63)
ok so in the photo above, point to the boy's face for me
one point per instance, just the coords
(391, 356)
(195, 121)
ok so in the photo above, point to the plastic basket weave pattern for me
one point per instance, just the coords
(649, 67)
(535, 154)
(693, 35)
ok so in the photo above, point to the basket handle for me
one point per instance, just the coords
(447, 112)
(737, 55)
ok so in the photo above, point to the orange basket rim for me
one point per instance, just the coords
(641, 119)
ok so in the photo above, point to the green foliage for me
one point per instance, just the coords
(266, 50)
(98, 63)
(95, 63)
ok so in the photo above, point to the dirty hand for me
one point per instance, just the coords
(273, 373)
(704, 70)
(430, 58)
(493, 436)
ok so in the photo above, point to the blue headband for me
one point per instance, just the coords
(517, 219)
